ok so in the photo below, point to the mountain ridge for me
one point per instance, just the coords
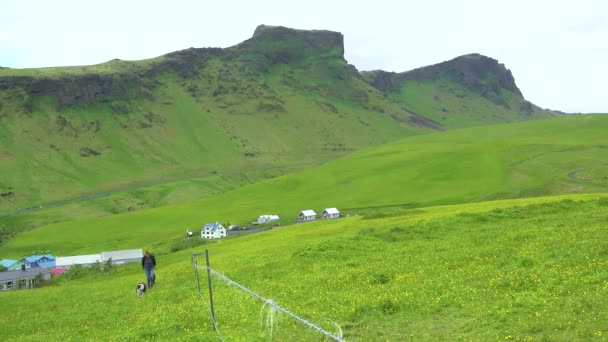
(467, 70)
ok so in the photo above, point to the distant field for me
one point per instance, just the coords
(530, 269)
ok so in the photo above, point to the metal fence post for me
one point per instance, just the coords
(210, 290)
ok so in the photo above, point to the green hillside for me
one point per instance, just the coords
(284, 99)
(532, 269)
(466, 91)
(537, 158)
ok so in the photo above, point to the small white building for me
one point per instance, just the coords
(266, 219)
(330, 213)
(213, 231)
(307, 215)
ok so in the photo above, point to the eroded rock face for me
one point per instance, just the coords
(90, 88)
(269, 46)
(383, 80)
(71, 90)
(320, 40)
(474, 71)
(481, 74)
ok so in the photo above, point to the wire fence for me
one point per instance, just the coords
(209, 305)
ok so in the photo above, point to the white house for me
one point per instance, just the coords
(266, 219)
(213, 231)
(307, 215)
(330, 213)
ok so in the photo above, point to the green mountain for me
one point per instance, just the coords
(282, 100)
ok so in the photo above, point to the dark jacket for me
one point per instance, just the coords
(148, 261)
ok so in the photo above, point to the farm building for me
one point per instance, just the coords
(213, 231)
(117, 257)
(330, 213)
(45, 260)
(57, 271)
(26, 279)
(122, 257)
(10, 265)
(307, 215)
(266, 219)
(83, 260)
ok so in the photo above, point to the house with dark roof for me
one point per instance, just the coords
(26, 279)
(10, 264)
(213, 231)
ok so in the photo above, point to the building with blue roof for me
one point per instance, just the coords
(10, 264)
(37, 260)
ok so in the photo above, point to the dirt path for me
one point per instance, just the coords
(572, 175)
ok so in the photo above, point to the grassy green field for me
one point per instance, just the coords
(529, 269)
(416, 263)
(469, 165)
(448, 232)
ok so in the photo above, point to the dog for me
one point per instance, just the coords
(140, 289)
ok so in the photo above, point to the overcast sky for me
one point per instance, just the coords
(557, 50)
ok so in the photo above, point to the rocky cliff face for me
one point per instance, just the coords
(90, 87)
(270, 45)
(481, 74)
(84, 89)
(320, 41)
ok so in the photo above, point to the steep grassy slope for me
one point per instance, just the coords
(282, 98)
(532, 269)
(466, 91)
(563, 155)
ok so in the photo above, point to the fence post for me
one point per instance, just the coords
(198, 278)
(210, 291)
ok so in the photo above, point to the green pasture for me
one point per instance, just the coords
(529, 269)
(470, 165)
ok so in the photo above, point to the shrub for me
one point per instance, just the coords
(388, 307)
(185, 243)
(380, 278)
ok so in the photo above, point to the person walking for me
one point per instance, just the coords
(148, 262)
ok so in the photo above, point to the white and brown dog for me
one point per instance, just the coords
(140, 289)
